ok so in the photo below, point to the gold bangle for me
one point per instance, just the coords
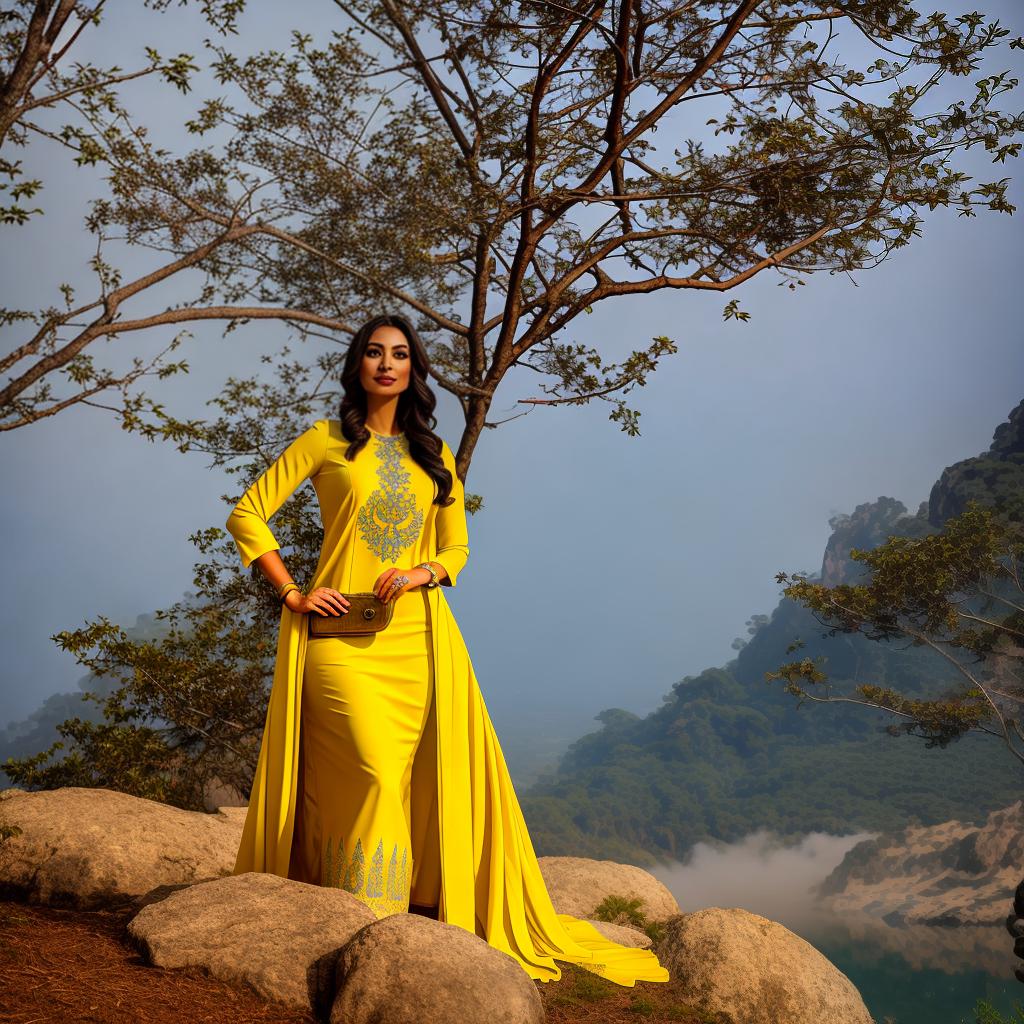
(286, 583)
(434, 578)
(286, 590)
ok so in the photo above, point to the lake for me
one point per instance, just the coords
(909, 975)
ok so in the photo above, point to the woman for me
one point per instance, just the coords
(380, 771)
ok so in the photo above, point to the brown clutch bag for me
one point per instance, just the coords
(366, 614)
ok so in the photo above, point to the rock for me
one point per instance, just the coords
(623, 934)
(999, 470)
(275, 935)
(868, 526)
(948, 874)
(407, 969)
(577, 885)
(754, 971)
(98, 848)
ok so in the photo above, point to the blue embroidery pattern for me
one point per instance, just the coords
(389, 520)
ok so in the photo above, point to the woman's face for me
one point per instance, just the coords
(386, 366)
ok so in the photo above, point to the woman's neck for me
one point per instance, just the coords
(382, 418)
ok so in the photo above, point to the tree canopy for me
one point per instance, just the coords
(496, 170)
(957, 592)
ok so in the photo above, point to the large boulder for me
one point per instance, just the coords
(577, 885)
(751, 970)
(277, 936)
(98, 848)
(407, 969)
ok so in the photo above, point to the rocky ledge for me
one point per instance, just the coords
(321, 950)
(955, 873)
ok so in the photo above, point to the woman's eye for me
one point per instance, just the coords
(374, 353)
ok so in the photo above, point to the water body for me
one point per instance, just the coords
(911, 975)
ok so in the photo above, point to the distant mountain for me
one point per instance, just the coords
(728, 753)
(995, 477)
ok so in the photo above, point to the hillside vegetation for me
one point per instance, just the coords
(728, 753)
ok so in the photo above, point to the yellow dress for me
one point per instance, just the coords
(379, 769)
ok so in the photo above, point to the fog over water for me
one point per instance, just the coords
(764, 873)
(774, 876)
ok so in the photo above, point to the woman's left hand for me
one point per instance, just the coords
(389, 585)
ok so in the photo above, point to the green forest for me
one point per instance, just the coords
(728, 753)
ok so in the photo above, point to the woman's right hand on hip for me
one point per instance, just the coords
(321, 601)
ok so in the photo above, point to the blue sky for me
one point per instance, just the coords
(604, 568)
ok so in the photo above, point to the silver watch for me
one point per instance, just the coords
(433, 574)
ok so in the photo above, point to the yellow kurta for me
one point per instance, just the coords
(391, 758)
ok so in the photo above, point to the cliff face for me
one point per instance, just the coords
(995, 477)
(870, 525)
(955, 873)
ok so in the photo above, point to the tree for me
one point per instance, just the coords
(44, 98)
(35, 40)
(957, 592)
(493, 170)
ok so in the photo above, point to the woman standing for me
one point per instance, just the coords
(379, 770)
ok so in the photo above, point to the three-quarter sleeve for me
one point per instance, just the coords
(452, 533)
(247, 523)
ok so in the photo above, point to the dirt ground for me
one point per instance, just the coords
(60, 965)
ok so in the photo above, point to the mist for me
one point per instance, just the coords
(774, 876)
(763, 872)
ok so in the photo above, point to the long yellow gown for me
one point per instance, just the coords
(379, 770)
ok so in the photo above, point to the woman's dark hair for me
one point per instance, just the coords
(416, 404)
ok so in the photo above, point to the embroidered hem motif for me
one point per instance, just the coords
(389, 520)
(382, 898)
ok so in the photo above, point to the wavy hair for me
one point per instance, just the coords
(416, 404)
